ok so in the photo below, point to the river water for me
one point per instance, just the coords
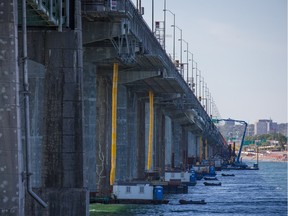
(250, 193)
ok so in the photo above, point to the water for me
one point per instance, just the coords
(249, 193)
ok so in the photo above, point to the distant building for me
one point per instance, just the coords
(265, 126)
(250, 130)
(262, 126)
(283, 129)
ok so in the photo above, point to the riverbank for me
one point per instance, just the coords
(270, 156)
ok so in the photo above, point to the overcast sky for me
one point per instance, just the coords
(240, 47)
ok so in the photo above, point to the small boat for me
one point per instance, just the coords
(212, 184)
(224, 174)
(210, 178)
(185, 202)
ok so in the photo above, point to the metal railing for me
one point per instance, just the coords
(48, 13)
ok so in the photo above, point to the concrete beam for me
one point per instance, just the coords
(132, 76)
(92, 33)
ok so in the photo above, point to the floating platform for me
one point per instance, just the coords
(210, 178)
(212, 184)
(224, 174)
(187, 202)
(138, 201)
(175, 189)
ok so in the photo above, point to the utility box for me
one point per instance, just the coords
(133, 191)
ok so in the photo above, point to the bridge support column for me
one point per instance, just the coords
(177, 144)
(122, 134)
(11, 161)
(168, 142)
(159, 140)
(141, 137)
(63, 183)
(132, 134)
(192, 149)
(90, 122)
(103, 128)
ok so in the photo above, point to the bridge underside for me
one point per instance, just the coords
(70, 68)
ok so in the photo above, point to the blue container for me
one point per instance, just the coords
(193, 175)
(158, 193)
(211, 170)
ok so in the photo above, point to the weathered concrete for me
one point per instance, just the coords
(132, 125)
(36, 89)
(177, 143)
(90, 122)
(159, 140)
(168, 142)
(11, 153)
(103, 128)
(63, 134)
(141, 156)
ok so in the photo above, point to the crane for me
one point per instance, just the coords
(237, 162)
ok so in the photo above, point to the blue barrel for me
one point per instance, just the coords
(193, 175)
(158, 193)
(211, 170)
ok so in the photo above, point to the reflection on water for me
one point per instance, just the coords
(262, 192)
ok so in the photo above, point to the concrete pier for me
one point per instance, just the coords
(11, 151)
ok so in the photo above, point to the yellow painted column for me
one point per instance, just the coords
(201, 149)
(151, 128)
(114, 124)
(206, 149)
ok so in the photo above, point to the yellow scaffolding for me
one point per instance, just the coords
(114, 123)
(151, 128)
(201, 149)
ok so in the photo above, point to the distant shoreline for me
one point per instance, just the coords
(279, 156)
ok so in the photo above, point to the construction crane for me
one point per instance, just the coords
(237, 162)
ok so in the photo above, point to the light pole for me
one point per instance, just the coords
(191, 66)
(153, 16)
(199, 86)
(180, 48)
(196, 80)
(164, 42)
(173, 32)
(187, 50)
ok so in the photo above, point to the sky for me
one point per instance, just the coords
(240, 46)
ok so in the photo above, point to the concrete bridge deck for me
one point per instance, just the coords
(67, 54)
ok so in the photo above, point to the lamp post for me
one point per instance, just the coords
(192, 66)
(187, 50)
(180, 47)
(199, 95)
(196, 91)
(173, 32)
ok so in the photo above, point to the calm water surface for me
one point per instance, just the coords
(262, 192)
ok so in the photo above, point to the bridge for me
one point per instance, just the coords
(89, 97)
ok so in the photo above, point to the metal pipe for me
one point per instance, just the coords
(26, 109)
(114, 123)
(164, 30)
(50, 9)
(151, 128)
(60, 16)
(153, 16)
(67, 9)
